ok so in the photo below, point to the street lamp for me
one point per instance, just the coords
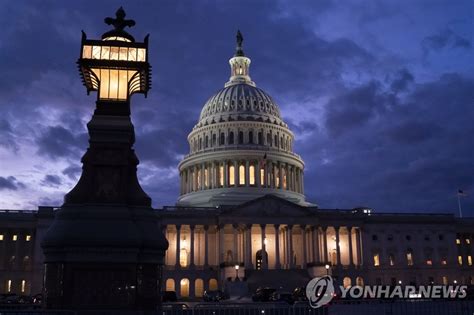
(327, 269)
(237, 272)
(116, 66)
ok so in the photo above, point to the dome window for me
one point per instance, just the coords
(241, 137)
(231, 137)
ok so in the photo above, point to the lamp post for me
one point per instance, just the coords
(105, 249)
(327, 269)
(237, 272)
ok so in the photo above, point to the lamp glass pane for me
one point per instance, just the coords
(95, 52)
(141, 54)
(87, 52)
(123, 53)
(105, 53)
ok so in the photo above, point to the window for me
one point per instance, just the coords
(376, 260)
(231, 137)
(1, 237)
(410, 257)
(269, 139)
(444, 262)
(251, 137)
(460, 260)
(468, 241)
(429, 262)
(374, 237)
(469, 260)
(14, 237)
(241, 137)
(458, 241)
(262, 177)
(206, 178)
(241, 175)
(214, 140)
(283, 171)
(221, 176)
(231, 175)
(277, 177)
(260, 138)
(391, 259)
(252, 175)
(28, 238)
(9, 286)
(23, 286)
(206, 142)
(199, 179)
(222, 139)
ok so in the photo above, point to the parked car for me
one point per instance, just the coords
(169, 296)
(299, 294)
(214, 295)
(282, 296)
(263, 294)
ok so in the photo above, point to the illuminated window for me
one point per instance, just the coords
(23, 286)
(469, 260)
(458, 241)
(183, 257)
(445, 280)
(231, 175)
(409, 258)
(241, 175)
(429, 262)
(376, 260)
(199, 179)
(283, 171)
(206, 178)
(460, 260)
(444, 262)
(1, 237)
(14, 237)
(9, 286)
(221, 176)
(28, 238)
(262, 177)
(468, 241)
(391, 259)
(277, 177)
(252, 175)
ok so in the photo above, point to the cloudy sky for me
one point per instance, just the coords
(379, 94)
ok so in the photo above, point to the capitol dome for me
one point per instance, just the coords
(240, 149)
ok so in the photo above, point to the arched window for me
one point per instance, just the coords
(206, 178)
(241, 137)
(269, 139)
(222, 139)
(347, 282)
(198, 288)
(252, 175)
(199, 179)
(276, 176)
(200, 143)
(360, 281)
(260, 138)
(241, 175)
(231, 175)
(213, 284)
(184, 292)
(170, 285)
(231, 137)
(262, 177)
(193, 178)
(283, 171)
(410, 257)
(214, 140)
(206, 143)
(281, 142)
(251, 137)
(183, 257)
(276, 141)
(221, 176)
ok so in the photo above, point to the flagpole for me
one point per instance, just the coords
(459, 206)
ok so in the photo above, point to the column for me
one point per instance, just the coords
(302, 181)
(221, 257)
(206, 245)
(236, 173)
(316, 255)
(359, 246)
(325, 244)
(351, 259)
(247, 173)
(264, 249)
(270, 171)
(277, 246)
(257, 174)
(178, 245)
(226, 173)
(203, 175)
(280, 174)
(305, 247)
(338, 248)
(235, 251)
(290, 246)
(248, 247)
(192, 246)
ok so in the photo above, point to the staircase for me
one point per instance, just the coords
(280, 279)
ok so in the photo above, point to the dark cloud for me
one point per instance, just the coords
(51, 181)
(444, 39)
(57, 142)
(402, 80)
(72, 172)
(10, 183)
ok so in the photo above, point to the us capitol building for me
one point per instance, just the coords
(242, 221)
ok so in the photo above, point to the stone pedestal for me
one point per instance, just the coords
(105, 248)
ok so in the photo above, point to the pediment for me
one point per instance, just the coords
(269, 206)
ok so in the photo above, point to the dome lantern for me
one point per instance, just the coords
(239, 65)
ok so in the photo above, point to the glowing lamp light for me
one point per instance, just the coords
(116, 66)
(237, 267)
(265, 241)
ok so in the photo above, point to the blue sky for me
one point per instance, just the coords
(379, 94)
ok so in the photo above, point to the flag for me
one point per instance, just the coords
(461, 193)
(263, 161)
